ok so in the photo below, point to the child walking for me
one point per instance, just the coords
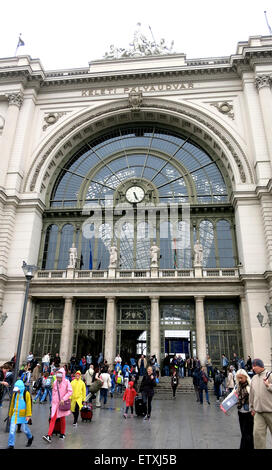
(20, 412)
(129, 396)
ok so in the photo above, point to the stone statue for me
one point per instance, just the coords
(198, 254)
(140, 46)
(72, 256)
(113, 257)
(154, 254)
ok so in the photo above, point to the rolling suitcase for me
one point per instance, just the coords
(140, 408)
(86, 412)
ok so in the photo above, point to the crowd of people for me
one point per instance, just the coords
(86, 380)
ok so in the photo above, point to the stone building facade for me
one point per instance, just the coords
(165, 136)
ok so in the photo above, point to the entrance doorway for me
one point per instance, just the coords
(89, 341)
(132, 344)
(177, 342)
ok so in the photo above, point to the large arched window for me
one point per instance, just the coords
(66, 242)
(172, 169)
(179, 169)
(50, 247)
(225, 244)
(206, 238)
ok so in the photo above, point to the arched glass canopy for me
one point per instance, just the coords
(178, 169)
(174, 168)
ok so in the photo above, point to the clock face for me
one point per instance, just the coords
(135, 194)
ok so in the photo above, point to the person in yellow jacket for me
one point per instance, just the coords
(78, 396)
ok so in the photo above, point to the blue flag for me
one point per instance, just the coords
(91, 258)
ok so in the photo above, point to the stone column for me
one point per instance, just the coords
(263, 84)
(110, 334)
(155, 340)
(245, 326)
(28, 329)
(66, 332)
(15, 101)
(257, 138)
(200, 330)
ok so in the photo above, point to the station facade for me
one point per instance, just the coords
(133, 152)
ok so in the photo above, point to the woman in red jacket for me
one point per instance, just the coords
(129, 396)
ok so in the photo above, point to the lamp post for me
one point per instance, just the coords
(29, 271)
(260, 317)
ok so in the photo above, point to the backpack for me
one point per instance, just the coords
(218, 379)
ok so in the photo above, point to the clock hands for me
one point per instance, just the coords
(135, 195)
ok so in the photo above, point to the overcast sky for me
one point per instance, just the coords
(69, 33)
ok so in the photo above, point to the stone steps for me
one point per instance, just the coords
(164, 389)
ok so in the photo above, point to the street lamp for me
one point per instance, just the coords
(29, 271)
(260, 317)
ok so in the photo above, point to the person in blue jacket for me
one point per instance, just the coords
(20, 412)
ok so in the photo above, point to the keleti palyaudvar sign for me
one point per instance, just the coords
(140, 88)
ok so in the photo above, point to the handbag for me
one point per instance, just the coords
(67, 403)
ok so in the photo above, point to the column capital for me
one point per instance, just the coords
(262, 81)
(110, 298)
(199, 298)
(15, 99)
(68, 298)
(154, 298)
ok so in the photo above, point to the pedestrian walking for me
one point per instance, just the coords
(246, 420)
(45, 361)
(25, 376)
(36, 373)
(142, 365)
(105, 376)
(62, 391)
(209, 367)
(20, 412)
(147, 390)
(47, 387)
(57, 360)
(260, 403)
(78, 396)
(39, 388)
(174, 382)
(218, 378)
(88, 377)
(4, 385)
(83, 364)
(166, 365)
(203, 385)
(73, 363)
(129, 397)
(225, 363)
(230, 381)
(196, 379)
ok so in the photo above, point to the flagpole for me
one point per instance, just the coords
(268, 25)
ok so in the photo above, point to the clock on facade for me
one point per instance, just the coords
(135, 194)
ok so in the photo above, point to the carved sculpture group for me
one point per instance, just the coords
(140, 46)
(154, 256)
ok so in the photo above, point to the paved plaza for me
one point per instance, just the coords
(175, 424)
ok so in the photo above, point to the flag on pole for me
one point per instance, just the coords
(20, 43)
(268, 25)
(91, 258)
